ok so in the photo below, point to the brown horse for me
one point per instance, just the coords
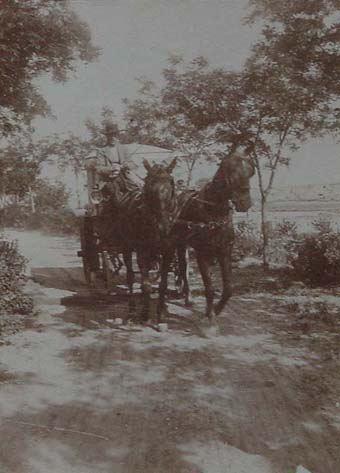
(205, 224)
(143, 224)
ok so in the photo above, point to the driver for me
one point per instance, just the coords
(117, 184)
(111, 168)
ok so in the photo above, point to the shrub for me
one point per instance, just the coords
(51, 212)
(63, 221)
(317, 260)
(247, 240)
(286, 229)
(15, 215)
(12, 278)
(322, 226)
(282, 241)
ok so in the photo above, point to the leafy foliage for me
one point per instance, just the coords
(12, 268)
(300, 45)
(176, 116)
(287, 92)
(247, 241)
(107, 128)
(51, 213)
(70, 150)
(317, 260)
(17, 175)
(37, 37)
(282, 240)
(20, 163)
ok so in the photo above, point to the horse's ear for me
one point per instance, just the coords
(172, 165)
(147, 165)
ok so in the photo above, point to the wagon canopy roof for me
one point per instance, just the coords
(133, 154)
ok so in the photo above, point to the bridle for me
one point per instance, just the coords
(171, 208)
(222, 180)
(226, 178)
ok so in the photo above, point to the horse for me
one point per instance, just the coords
(142, 224)
(205, 224)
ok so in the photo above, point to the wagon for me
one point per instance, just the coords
(100, 260)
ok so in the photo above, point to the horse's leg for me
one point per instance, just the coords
(143, 261)
(130, 276)
(224, 259)
(166, 260)
(204, 266)
(183, 267)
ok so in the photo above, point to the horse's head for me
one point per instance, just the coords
(159, 193)
(236, 172)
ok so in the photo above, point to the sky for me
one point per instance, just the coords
(136, 37)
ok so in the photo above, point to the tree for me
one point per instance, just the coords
(287, 91)
(292, 79)
(37, 37)
(20, 163)
(98, 132)
(70, 151)
(213, 110)
(50, 197)
(17, 176)
(161, 116)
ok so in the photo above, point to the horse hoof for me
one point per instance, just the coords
(219, 307)
(188, 303)
(209, 320)
(217, 310)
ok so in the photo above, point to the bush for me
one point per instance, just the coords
(64, 221)
(317, 260)
(12, 278)
(247, 241)
(51, 212)
(282, 240)
(282, 237)
(15, 215)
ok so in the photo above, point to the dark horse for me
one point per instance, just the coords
(205, 224)
(142, 224)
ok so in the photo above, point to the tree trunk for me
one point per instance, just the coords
(32, 200)
(264, 233)
(189, 176)
(76, 175)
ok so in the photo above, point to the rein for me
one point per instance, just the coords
(211, 225)
(202, 201)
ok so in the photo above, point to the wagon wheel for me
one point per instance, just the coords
(117, 263)
(88, 252)
(155, 273)
(108, 270)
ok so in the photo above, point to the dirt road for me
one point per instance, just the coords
(78, 395)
